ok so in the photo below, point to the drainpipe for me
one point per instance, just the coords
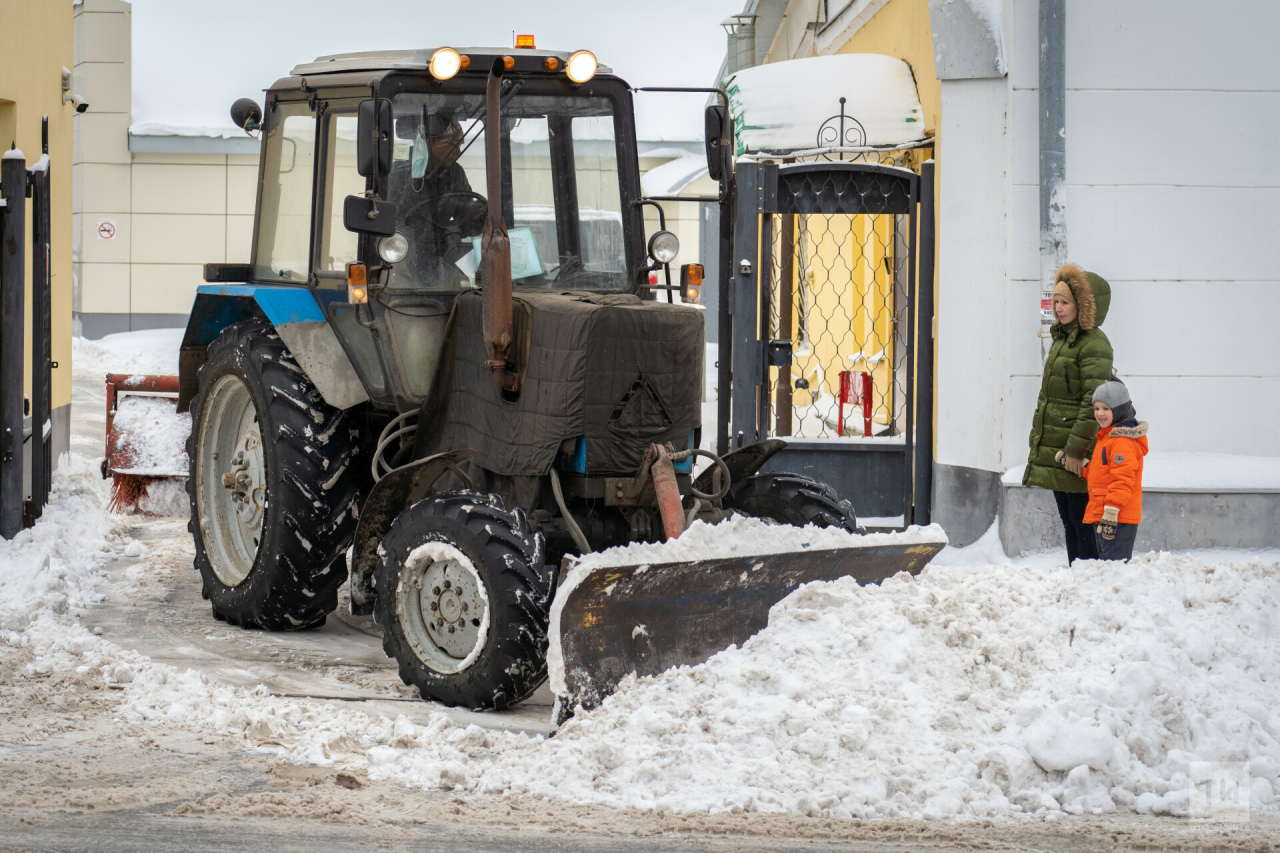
(742, 42)
(1053, 157)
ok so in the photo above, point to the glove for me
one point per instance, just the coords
(1059, 456)
(1072, 464)
(1110, 521)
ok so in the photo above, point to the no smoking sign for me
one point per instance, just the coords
(106, 229)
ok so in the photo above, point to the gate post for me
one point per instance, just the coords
(743, 304)
(724, 305)
(41, 330)
(13, 182)
(924, 352)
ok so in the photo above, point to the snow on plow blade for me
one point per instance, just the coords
(648, 618)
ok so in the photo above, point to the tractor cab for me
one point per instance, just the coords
(375, 191)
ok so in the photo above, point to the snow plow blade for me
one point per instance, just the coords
(141, 411)
(648, 618)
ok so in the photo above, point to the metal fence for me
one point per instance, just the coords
(26, 457)
(838, 287)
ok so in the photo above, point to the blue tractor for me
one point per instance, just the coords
(446, 373)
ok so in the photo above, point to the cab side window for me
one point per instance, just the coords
(338, 246)
(284, 222)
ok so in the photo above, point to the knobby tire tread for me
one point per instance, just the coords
(511, 561)
(312, 487)
(793, 499)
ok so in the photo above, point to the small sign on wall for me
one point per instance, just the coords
(106, 229)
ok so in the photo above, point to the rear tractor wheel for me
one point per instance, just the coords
(463, 600)
(272, 485)
(792, 499)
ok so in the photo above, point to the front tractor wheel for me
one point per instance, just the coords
(463, 600)
(272, 485)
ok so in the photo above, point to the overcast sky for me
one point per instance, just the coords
(192, 59)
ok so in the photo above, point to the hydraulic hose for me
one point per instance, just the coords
(388, 435)
(574, 530)
(724, 471)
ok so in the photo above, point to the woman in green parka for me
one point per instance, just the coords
(1079, 361)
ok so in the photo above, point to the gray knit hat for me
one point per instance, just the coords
(1115, 396)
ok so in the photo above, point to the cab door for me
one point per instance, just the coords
(334, 247)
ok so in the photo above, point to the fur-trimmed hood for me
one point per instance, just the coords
(1091, 292)
(1130, 428)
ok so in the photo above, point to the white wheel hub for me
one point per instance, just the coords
(231, 479)
(443, 607)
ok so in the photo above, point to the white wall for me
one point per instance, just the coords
(1173, 196)
(973, 294)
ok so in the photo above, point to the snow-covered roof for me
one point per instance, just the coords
(798, 104)
(671, 177)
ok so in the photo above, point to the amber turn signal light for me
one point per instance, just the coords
(691, 283)
(508, 62)
(357, 284)
(551, 63)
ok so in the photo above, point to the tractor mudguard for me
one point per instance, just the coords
(390, 496)
(299, 320)
(742, 462)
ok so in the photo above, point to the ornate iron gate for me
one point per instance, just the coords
(827, 323)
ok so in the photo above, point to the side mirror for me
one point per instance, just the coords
(717, 140)
(374, 134)
(246, 114)
(365, 216)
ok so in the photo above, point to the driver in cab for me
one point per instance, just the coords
(438, 210)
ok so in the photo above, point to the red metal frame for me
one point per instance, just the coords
(119, 385)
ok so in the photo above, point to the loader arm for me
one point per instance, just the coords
(495, 245)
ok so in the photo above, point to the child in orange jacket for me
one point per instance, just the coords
(1114, 472)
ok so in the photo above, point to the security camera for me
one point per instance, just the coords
(70, 97)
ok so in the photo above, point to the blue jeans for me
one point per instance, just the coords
(1079, 536)
(1119, 548)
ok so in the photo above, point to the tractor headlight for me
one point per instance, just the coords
(393, 249)
(663, 247)
(444, 63)
(581, 66)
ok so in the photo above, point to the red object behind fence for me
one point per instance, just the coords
(855, 393)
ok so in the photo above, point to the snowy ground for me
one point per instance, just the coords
(987, 702)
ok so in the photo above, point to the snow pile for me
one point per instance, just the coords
(153, 435)
(996, 689)
(57, 565)
(1006, 690)
(986, 551)
(149, 351)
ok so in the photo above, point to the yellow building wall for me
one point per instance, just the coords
(35, 45)
(902, 29)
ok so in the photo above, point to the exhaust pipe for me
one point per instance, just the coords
(495, 246)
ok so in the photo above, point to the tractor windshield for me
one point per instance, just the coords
(560, 198)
